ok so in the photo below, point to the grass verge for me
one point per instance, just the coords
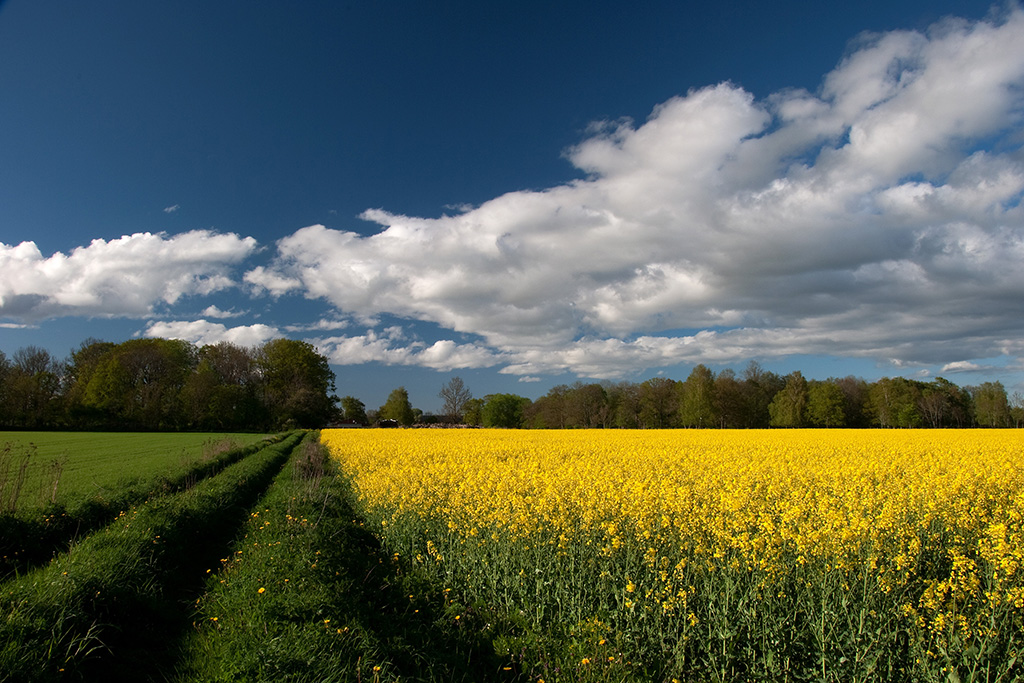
(308, 594)
(34, 536)
(108, 606)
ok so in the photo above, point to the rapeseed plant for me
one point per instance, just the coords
(721, 555)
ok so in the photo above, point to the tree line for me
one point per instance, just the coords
(756, 398)
(167, 384)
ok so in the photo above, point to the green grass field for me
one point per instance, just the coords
(92, 463)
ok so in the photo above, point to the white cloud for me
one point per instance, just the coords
(172, 209)
(215, 312)
(319, 325)
(205, 333)
(878, 217)
(393, 347)
(122, 277)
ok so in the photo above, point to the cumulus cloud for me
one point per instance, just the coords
(877, 217)
(122, 277)
(392, 346)
(215, 312)
(205, 333)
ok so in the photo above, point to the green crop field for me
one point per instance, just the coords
(84, 464)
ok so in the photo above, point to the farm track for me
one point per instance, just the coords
(308, 593)
(30, 540)
(108, 608)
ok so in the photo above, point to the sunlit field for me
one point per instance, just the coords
(716, 555)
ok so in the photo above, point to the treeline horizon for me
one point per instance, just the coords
(174, 385)
(167, 385)
(756, 399)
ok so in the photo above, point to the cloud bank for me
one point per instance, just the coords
(878, 217)
(123, 277)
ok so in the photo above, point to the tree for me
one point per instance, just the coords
(32, 392)
(697, 408)
(991, 407)
(893, 401)
(138, 384)
(659, 403)
(626, 399)
(825, 405)
(223, 391)
(297, 383)
(760, 388)
(455, 394)
(398, 408)
(473, 412)
(504, 410)
(789, 406)
(353, 409)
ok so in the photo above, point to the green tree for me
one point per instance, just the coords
(893, 402)
(473, 412)
(788, 408)
(626, 400)
(825, 405)
(760, 387)
(659, 403)
(354, 409)
(398, 408)
(222, 393)
(503, 410)
(33, 390)
(991, 406)
(698, 405)
(297, 383)
(138, 384)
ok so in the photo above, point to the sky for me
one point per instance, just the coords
(521, 194)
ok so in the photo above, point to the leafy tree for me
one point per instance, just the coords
(455, 394)
(473, 412)
(138, 384)
(297, 383)
(991, 406)
(354, 409)
(398, 408)
(855, 399)
(5, 371)
(587, 405)
(788, 408)
(659, 403)
(503, 410)
(1017, 409)
(729, 400)
(760, 388)
(33, 391)
(698, 405)
(825, 405)
(626, 398)
(893, 401)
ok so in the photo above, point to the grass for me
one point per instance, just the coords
(110, 604)
(33, 535)
(308, 594)
(99, 463)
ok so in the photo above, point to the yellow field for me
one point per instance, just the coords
(722, 554)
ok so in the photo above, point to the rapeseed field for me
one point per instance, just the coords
(714, 554)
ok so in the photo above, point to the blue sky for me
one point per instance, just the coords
(520, 194)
